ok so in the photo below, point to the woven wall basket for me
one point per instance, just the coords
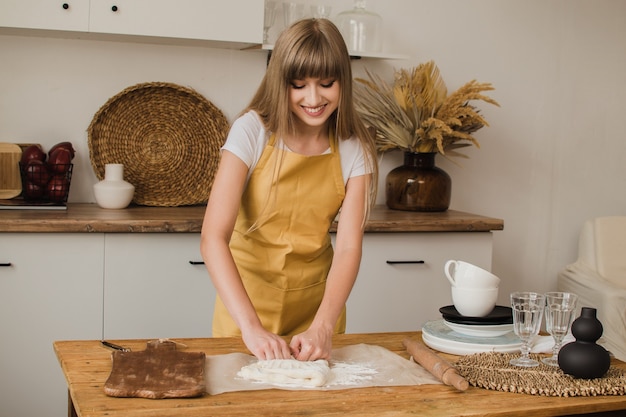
(167, 136)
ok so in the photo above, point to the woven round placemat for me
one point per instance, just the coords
(492, 371)
(167, 136)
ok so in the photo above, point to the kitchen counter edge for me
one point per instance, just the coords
(89, 218)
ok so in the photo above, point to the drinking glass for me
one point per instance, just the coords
(560, 308)
(292, 12)
(527, 313)
(320, 11)
(269, 18)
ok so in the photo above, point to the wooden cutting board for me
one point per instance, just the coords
(10, 180)
(160, 371)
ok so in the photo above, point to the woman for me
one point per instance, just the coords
(297, 155)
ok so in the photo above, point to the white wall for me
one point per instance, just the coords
(553, 156)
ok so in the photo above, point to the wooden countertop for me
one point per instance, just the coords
(87, 365)
(84, 218)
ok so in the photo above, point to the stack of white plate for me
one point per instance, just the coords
(482, 331)
(461, 335)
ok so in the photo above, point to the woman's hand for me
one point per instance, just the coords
(266, 345)
(313, 344)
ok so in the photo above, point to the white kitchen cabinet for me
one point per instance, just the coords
(151, 290)
(52, 290)
(230, 24)
(403, 294)
(217, 20)
(64, 283)
(70, 15)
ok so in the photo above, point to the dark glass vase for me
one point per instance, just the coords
(418, 185)
(584, 358)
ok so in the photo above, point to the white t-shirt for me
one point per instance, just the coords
(248, 138)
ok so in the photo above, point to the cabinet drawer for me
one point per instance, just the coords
(151, 290)
(233, 21)
(401, 283)
(71, 15)
(50, 289)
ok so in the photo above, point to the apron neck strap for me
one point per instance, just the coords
(331, 139)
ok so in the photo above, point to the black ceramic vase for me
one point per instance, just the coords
(418, 185)
(584, 358)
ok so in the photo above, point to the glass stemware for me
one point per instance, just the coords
(527, 313)
(268, 19)
(320, 11)
(560, 308)
(292, 11)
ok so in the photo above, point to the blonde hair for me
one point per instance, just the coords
(313, 48)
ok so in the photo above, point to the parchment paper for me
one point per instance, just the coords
(354, 366)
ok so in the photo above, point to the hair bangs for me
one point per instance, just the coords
(313, 59)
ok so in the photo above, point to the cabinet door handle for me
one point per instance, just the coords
(5, 263)
(405, 262)
(65, 6)
(114, 8)
(196, 262)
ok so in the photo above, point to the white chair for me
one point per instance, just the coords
(598, 277)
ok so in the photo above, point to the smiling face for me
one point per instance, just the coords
(309, 50)
(313, 100)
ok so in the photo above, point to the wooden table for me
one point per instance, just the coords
(86, 365)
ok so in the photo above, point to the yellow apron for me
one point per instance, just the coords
(284, 260)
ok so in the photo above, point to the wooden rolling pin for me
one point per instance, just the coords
(436, 365)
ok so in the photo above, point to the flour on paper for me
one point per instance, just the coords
(287, 372)
(343, 373)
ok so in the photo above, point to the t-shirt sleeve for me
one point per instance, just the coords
(352, 159)
(243, 138)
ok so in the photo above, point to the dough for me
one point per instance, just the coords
(289, 372)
